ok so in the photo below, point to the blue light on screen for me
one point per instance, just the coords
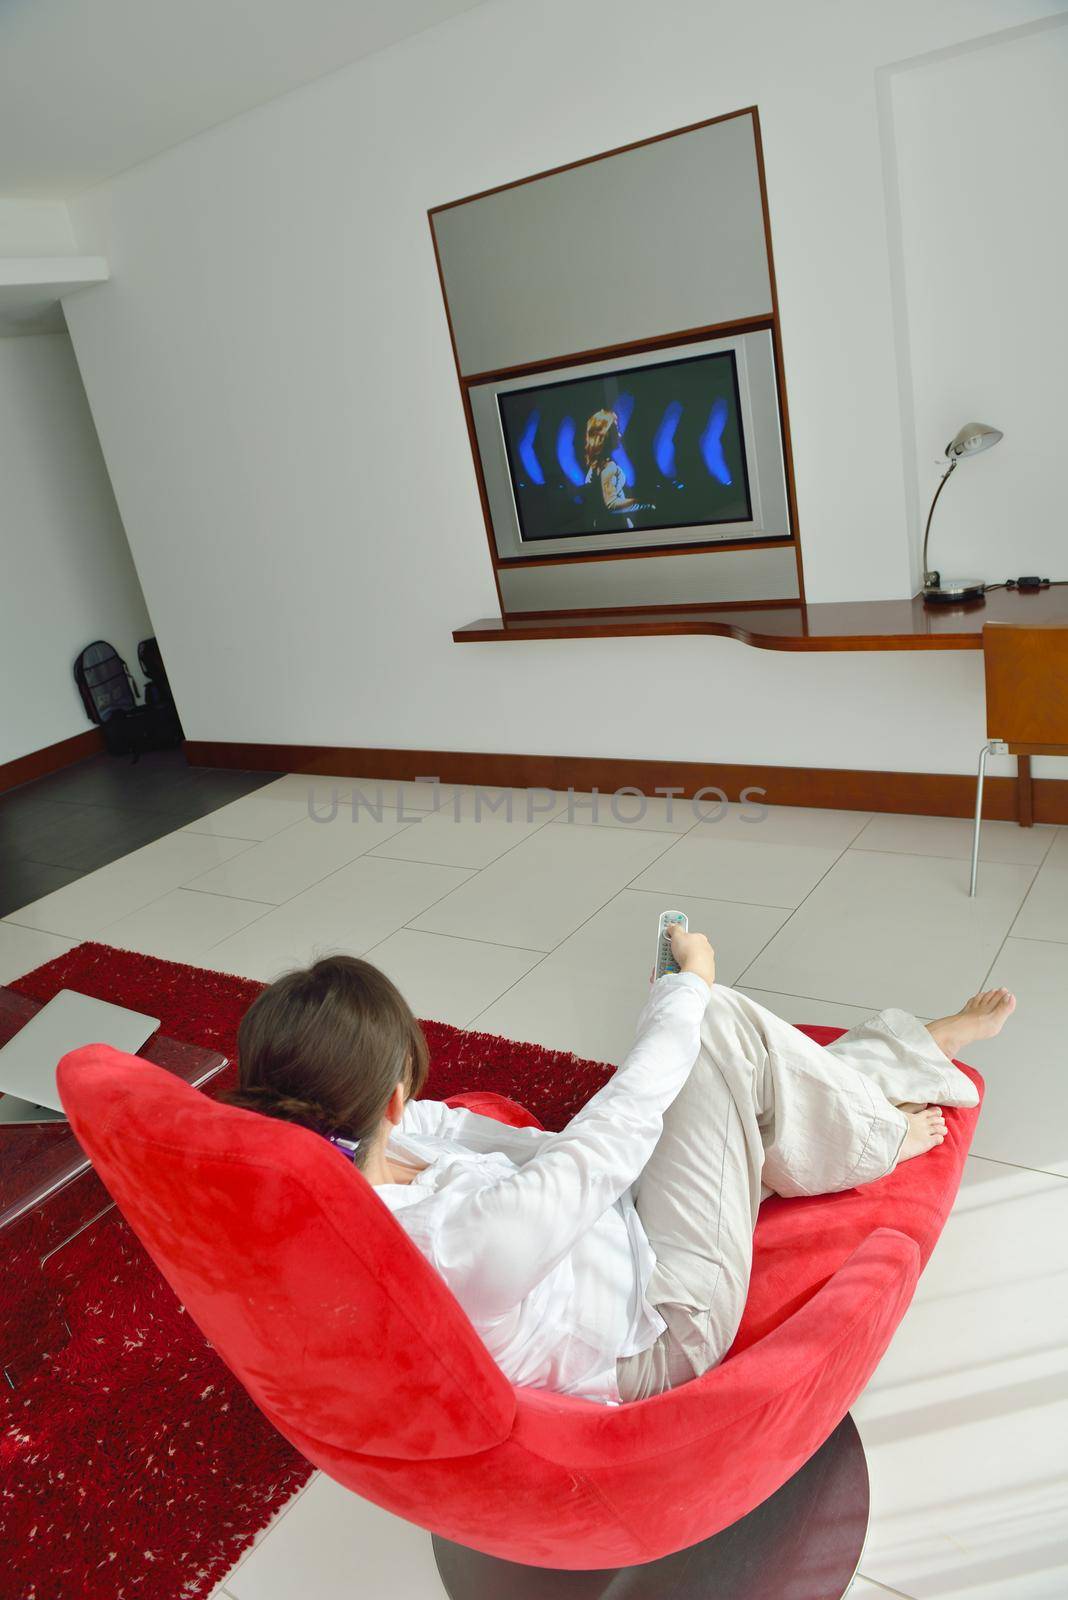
(664, 439)
(565, 452)
(624, 410)
(712, 443)
(526, 449)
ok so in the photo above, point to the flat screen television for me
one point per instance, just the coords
(671, 447)
(658, 446)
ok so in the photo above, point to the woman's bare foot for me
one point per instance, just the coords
(981, 1017)
(926, 1129)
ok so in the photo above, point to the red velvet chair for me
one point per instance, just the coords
(355, 1350)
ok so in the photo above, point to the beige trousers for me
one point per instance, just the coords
(765, 1111)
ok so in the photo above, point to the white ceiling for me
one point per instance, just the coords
(91, 87)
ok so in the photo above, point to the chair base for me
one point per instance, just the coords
(804, 1543)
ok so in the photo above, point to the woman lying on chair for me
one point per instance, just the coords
(610, 1260)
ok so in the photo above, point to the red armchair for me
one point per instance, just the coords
(354, 1349)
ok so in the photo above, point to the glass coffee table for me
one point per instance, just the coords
(49, 1194)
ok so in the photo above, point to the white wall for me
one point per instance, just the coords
(35, 228)
(270, 373)
(981, 142)
(67, 575)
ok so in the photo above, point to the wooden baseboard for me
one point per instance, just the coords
(935, 794)
(40, 762)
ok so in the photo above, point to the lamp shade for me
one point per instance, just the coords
(973, 437)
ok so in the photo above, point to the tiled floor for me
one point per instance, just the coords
(540, 926)
(56, 830)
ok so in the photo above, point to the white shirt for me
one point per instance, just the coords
(536, 1233)
(613, 484)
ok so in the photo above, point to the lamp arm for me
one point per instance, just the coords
(927, 531)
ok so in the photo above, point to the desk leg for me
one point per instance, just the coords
(1025, 804)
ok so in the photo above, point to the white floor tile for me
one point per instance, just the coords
(1044, 914)
(1025, 1114)
(796, 1009)
(473, 827)
(389, 793)
(756, 823)
(182, 925)
(544, 888)
(482, 800)
(83, 908)
(458, 842)
(660, 813)
(1058, 855)
(302, 854)
(450, 980)
(952, 836)
(22, 949)
(884, 929)
(254, 816)
(331, 1545)
(718, 868)
(587, 994)
(965, 1420)
(356, 907)
(863, 1588)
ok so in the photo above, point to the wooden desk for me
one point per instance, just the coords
(851, 625)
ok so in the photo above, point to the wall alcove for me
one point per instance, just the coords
(629, 284)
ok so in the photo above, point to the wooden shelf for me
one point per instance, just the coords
(852, 625)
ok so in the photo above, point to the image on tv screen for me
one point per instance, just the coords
(657, 446)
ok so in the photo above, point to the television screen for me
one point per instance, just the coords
(651, 446)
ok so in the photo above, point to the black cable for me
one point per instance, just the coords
(1032, 587)
(1028, 588)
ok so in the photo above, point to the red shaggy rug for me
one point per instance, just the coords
(132, 1465)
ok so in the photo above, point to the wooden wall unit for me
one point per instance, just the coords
(739, 288)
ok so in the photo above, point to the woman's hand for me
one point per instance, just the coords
(693, 953)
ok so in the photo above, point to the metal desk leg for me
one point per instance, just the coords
(993, 745)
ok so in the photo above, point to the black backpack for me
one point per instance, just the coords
(167, 727)
(157, 688)
(110, 700)
(104, 682)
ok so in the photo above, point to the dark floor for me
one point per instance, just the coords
(59, 828)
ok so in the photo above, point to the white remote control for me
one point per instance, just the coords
(665, 961)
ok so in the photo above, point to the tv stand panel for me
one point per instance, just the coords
(750, 574)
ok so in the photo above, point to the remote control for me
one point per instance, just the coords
(665, 961)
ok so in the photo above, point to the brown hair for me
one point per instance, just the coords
(602, 437)
(326, 1046)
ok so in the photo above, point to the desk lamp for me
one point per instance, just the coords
(968, 441)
